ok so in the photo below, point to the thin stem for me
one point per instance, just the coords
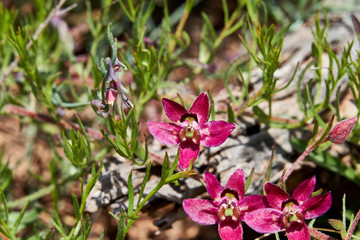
(12, 109)
(44, 191)
(300, 158)
(319, 235)
(223, 32)
(180, 27)
(38, 194)
(353, 225)
(93, 134)
(138, 209)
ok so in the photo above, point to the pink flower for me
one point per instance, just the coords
(341, 130)
(191, 128)
(289, 212)
(228, 205)
(104, 107)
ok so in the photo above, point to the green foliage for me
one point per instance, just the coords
(340, 225)
(77, 148)
(125, 141)
(82, 227)
(9, 222)
(42, 71)
(5, 174)
(210, 41)
(167, 177)
(324, 159)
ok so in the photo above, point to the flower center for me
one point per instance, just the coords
(229, 209)
(190, 132)
(291, 214)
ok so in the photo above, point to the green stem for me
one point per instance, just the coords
(138, 209)
(229, 24)
(181, 25)
(42, 192)
(38, 194)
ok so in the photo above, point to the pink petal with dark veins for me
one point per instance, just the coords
(237, 182)
(214, 133)
(298, 231)
(201, 108)
(265, 220)
(173, 110)
(189, 151)
(316, 206)
(201, 211)
(213, 186)
(229, 230)
(304, 190)
(252, 203)
(166, 133)
(275, 195)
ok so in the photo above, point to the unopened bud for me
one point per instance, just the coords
(341, 130)
(111, 96)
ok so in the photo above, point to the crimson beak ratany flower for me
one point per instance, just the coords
(289, 212)
(190, 128)
(228, 205)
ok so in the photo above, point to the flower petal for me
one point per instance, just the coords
(229, 230)
(201, 108)
(173, 110)
(213, 186)
(166, 133)
(214, 133)
(298, 231)
(265, 220)
(316, 206)
(201, 211)
(304, 190)
(111, 96)
(188, 151)
(252, 203)
(237, 182)
(275, 195)
(96, 103)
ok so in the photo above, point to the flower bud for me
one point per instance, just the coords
(341, 130)
(111, 96)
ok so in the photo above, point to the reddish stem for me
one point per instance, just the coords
(12, 109)
(353, 225)
(300, 158)
(319, 235)
(94, 134)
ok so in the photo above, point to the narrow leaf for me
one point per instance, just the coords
(121, 228)
(269, 168)
(76, 207)
(165, 167)
(130, 194)
(143, 184)
(249, 179)
(19, 218)
(231, 116)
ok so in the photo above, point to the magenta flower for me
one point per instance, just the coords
(289, 212)
(228, 205)
(104, 107)
(191, 128)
